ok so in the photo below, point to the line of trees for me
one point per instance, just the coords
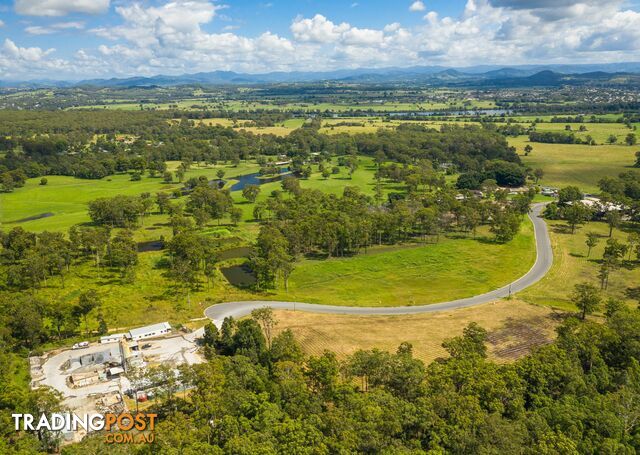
(259, 392)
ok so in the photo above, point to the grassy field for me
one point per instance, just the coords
(447, 270)
(600, 132)
(372, 105)
(573, 164)
(514, 329)
(67, 197)
(151, 297)
(363, 178)
(571, 266)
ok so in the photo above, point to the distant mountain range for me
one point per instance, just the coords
(484, 75)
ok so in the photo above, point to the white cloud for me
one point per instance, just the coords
(317, 29)
(54, 28)
(60, 7)
(172, 37)
(417, 6)
(1, 24)
(33, 54)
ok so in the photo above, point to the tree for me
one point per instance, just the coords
(220, 173)
(180, 174)
(528, 149)
(137, 378)
(271, 256)
(267, 320)
(249, 341)
(167, 177)
(291, 185)
(163, 200)
(211, 336)
(118, 211)
(587, 298)
(612, 139)
(88, 301)
(505, 225)
(326, 173)
(538, 173)
(123, 252)
(286, 348)
(471, 344)
(250, 192)
(26, 325)
(633, 240)
(576, 214)
(615, 251)
(569, 194)
(236, 215)
(43, 181)
(631, 139)
(613, 220)
(592, 241)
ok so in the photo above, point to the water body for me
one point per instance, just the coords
(255, 179)
(235, 253)
(152, 245)
(239, 275)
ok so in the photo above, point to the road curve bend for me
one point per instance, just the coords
(544, 260)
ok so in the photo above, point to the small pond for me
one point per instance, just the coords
(239, 275)
(233, 253)
(151, 245)
(255, 179)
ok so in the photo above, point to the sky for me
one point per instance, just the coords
(84, 39)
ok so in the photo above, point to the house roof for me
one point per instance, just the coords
(149, 328)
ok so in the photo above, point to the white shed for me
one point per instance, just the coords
(149, 331)
(113, 338)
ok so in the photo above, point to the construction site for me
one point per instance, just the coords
(95, 377)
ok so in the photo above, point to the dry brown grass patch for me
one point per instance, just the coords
(514, 329)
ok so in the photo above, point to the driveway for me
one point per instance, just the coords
(544, 260)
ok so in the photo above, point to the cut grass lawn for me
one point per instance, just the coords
(448, 270)
(571, 267)
(576, 164)
(514, 329)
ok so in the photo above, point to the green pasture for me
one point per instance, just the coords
(576, 164)
(571, 266)
(448, 270)
(67, 197)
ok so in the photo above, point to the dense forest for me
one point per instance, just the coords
(259, 394)
(92, 149)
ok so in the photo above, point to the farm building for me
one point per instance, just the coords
(149, 331)
(113, 338)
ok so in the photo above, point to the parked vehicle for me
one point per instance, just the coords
(81, 345)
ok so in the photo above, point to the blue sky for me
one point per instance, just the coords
(76, 39)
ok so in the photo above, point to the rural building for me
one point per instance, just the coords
(113, 338)
(149, 331)
(108, 355)
(86, 379)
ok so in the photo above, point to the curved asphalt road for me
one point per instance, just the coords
(544, 259)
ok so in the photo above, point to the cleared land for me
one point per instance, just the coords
(66, 198)
(448, 270)
(576, 164)
(572, 266)
(365, 105)
(514, 329)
